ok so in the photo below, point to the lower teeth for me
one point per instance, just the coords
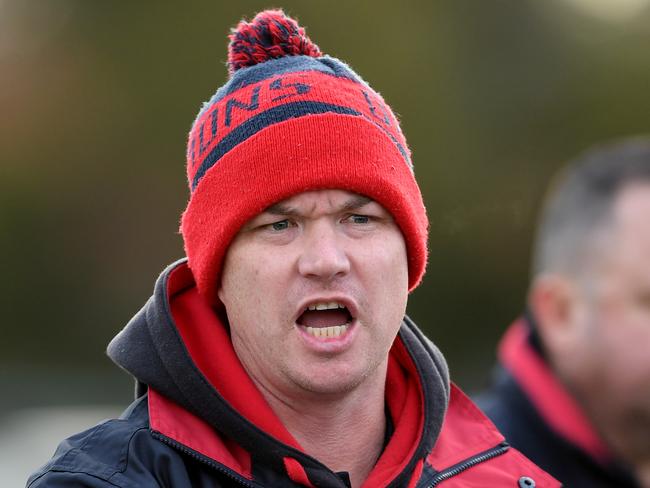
(325, 332)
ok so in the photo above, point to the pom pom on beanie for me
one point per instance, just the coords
(270, 35)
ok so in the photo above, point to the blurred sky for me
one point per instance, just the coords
(97, 99)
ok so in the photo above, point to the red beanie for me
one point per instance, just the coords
(291, 120)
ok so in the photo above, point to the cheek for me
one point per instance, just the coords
(622, 354)
(386, 258)
(388, 277)
(242, 268)
(239, 290)
(399, 267)
(254, 290)
(628, 348)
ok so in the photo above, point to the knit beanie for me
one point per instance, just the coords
(291, 120)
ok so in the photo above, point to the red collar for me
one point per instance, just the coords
(548, 395)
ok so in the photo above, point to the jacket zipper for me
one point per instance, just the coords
(438, 478)
(468, 463)
(199, 457)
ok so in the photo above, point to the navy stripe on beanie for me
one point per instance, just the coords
(262, 120)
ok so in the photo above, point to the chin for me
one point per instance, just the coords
(340, 384)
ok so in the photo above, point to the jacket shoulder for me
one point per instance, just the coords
(99, 456)
(472, 452)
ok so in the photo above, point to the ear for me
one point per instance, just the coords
(555, 302)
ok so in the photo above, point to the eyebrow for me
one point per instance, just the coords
(353, 203)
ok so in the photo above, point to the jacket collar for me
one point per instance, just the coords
(561, 412)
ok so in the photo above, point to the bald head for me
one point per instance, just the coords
(577, 214)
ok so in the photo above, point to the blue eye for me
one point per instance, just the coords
(280, 225)
(359, 219)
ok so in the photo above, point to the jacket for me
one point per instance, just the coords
(538, 416)
(199, 420)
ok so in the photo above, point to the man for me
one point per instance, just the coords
(573, 390)
(278, 354)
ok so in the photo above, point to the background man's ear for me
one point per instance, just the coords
(555, 302)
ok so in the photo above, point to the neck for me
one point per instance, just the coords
(345, 432)
(625, 430)
(631, 444)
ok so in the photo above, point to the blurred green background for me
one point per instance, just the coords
(97, 99)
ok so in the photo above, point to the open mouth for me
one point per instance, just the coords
(325, 319)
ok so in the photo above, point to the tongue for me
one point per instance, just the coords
(323, 318)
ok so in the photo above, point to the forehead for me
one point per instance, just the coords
(319, 200)
(632, 215)
(630, 240)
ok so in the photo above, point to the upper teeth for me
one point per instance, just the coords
(325, 306)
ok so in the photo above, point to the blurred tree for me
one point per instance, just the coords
(98, 97)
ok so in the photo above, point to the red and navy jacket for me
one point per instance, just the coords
(200, 421)
(538, 416)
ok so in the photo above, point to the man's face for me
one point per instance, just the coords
(329, 249)
(611, 357)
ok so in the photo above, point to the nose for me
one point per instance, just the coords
(323, 255)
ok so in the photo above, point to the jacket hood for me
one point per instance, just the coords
(179, 348)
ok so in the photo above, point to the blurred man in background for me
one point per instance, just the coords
(573, 388)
